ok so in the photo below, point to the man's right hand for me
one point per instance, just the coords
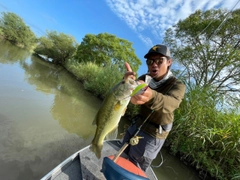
(141, 98)
(129, 72)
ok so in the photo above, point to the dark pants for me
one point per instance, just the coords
(145, 151)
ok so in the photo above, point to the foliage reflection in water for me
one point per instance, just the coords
(45, 116)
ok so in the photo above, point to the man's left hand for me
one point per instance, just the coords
(142, 98)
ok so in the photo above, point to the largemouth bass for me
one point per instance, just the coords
(110, 112)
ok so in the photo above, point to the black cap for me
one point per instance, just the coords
(159, 49)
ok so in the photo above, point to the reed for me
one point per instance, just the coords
(207, 135)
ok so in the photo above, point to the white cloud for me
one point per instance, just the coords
(155, 16)
(146, 40)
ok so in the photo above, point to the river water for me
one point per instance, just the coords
(46, 115)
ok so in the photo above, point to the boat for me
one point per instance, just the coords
(84, 165)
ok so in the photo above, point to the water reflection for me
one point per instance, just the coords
(45, 116)
(73, 107)
(10, 54)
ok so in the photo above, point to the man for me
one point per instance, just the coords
(157, 105)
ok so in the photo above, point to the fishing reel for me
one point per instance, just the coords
(135, 140)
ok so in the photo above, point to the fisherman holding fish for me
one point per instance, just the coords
(157, 104)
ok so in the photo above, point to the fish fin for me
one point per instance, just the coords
(97, 149)
(117, 105)
(113, 134)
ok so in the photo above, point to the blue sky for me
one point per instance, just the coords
(142, 22)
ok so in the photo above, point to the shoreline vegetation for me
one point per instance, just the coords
(206, 131)
(207, 144)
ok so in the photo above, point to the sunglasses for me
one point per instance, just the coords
(157, 61)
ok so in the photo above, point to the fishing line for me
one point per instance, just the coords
(127, 143)
(224, 20)
(219, 25)
(160, 162)
(139, 128)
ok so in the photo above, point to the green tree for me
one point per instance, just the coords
(105, 50)
(57, 46)
(207, 45)
(13, 28)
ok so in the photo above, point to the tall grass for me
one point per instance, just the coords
(206, 135)
(98, 80)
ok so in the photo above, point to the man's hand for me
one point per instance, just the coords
(142, 98)
(129, 72)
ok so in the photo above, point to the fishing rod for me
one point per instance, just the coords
(133, 141)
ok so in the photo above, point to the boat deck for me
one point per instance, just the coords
(85, 165)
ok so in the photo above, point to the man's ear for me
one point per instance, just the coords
(169, 62)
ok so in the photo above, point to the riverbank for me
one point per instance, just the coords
(202, 137)
(189, 140)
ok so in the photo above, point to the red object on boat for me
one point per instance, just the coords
(129, 166)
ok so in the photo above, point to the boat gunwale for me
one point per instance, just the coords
(63, 165)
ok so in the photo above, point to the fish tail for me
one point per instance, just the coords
(97, 149)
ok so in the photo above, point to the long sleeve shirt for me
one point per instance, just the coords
(165, 100)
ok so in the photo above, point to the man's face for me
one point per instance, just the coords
(158, 66)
